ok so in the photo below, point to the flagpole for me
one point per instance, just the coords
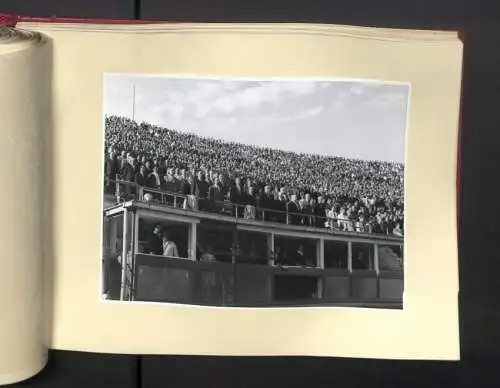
(133, 102)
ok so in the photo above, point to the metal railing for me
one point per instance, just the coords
(126, 190)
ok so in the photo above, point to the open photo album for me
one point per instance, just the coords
(227, 190)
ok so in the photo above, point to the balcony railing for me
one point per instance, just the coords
(125, 190)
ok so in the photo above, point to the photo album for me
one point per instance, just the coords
(227, 190)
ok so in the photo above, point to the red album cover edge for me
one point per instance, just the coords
(12, 20)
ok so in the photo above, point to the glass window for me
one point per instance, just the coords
(112, 233)
(336, 254)
(253, 248)
(295, 251)
(362, 256)
(164, 237)
(390, 258)
(215, 241)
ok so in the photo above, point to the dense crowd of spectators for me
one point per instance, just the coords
(308, 189)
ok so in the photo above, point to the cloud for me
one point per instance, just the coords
(225, 100)
(174, 111)
(358, 88)
(203, 91)
(224, 105)
(371, 95)
(304, 114)
(390, 99)
(340, 101)
(312, 112)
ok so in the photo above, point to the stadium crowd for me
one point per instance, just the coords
(314, 190)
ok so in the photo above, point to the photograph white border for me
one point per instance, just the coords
(261, 79)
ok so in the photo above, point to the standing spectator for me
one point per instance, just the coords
(170, 182)
(111, 167)
(266, 204)
(201, 186)
(201, 191)
(154, 179)
(128, 175)
(142, 177)
(184, 183)
(216, 196)
(215, 191)
(155, 245)
(293, 210)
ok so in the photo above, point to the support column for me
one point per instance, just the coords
(236, 244)
(112, 234)
(106, 249)
(349, 267)
(134, 249)
(192, 241)
(376, 266)
(320, 253)
(320, 262)
(135, 220)
(270, 248)
(270, 263)
(124, 255)
(349, 256)
(375, 259)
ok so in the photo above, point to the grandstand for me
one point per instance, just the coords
(352, 195)
(196, 220)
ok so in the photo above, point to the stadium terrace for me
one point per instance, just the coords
(276, 185)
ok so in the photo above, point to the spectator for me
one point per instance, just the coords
(236, 193)
(169, 247)
(201, 186)
(215, 191)
(266, 201)
(293, 208)
(397, 230)
(208, 254)
(155, 242)
(142, 177)
(111, 168)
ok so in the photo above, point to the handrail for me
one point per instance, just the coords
(234, 208)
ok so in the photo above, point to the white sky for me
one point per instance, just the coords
(354, 119)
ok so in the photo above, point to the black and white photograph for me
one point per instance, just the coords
(247, 192)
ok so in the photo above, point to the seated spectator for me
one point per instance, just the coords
(169, 247)
(208, 254)
(397, 231)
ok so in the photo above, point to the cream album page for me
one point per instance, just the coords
(252, 190)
